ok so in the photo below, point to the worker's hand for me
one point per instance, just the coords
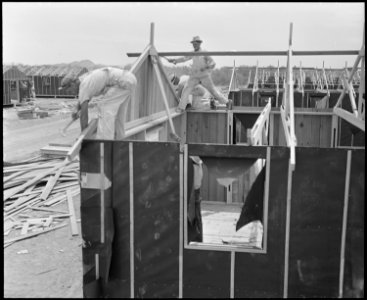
(75, 115)
(172, 61)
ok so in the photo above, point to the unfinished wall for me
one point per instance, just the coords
(142, 225)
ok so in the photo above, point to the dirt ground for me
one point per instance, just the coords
(52, 268)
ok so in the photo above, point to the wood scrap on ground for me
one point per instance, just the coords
(31, 188)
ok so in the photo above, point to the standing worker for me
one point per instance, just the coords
(117, 88)
(200, 74)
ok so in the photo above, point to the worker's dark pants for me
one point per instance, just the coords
(194, 223)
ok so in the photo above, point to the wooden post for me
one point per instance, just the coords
(287, 231)
(290, 34)
(165, 101)
(151, 34)
(232, 77)
(131, 202)
(73, 224)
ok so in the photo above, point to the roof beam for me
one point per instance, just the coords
(252, 53)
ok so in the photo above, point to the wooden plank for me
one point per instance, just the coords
(349, 117)
(253, 53)
(16, 174)
(19, 202)
(132, 250)
(8, 194)
(25, 228)
(164, 97)
(61, 197)
(287, 230)
(344, 224)
(92, 126)
(49, 210)
(74, 226)
(51, 183)
(55, 190)
(19, 238)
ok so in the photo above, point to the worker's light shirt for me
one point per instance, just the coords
(198, 63)
(97, 82)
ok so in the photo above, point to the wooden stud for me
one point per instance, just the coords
(287, 231)
(182, 220)
(185, 194)
(102, 189)
(266, 198)
(233, 264)
(96, 261)
(132, 254)
(74, 226)
(345, 223)
(152, 34)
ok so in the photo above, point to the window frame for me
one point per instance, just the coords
(225, 247)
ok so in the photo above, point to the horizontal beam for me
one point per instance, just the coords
(150, 123)
(325, 52)
(252, 53)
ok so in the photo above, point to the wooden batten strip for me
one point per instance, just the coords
(74, 226)
(345, 223)
(50, 184)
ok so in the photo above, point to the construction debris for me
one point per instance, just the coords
(31, 190)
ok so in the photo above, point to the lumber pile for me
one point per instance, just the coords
(32, 190)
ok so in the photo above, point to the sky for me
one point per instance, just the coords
(37, 33)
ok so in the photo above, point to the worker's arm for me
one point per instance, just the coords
(84, 115)
(180, 59)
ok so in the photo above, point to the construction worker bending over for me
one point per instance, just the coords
(117, 87)
(200, 74)
(196, 96)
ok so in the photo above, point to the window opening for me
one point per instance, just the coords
(227, 209)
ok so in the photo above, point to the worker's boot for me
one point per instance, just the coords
(212, 104)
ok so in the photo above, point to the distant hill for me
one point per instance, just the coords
(84, 63)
